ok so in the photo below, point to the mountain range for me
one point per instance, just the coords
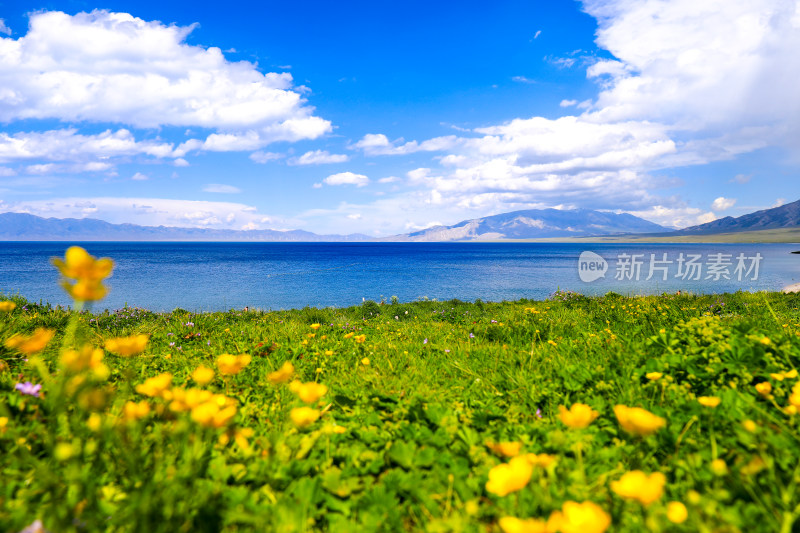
(526, 224)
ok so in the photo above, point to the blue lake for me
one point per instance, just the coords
(223, 276)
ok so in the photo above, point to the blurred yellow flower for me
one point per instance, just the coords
(509, 477)
(676, 512)
(750, 426)
(203, 375)
(303, 416)
(308, 392)
(79, 265)
(135, 411)
(282, 375)
(709, 401)
(365, 361)
(95, 422)
(348, 335)
(315, 326)
(719, 467)
(654, 376)
(85, 291)
(155, 386)
(30, 344)
(638, 421)
(87, 358)
(544, 460)
(505, 449)
(510, 524)
(127, 346)
(586, 517)
(579, 415)
(755, 466)
(636, 485)
(213, 415)
(232, 364)
(360, 338)
(6, 306)
(791, 374)
(764, 388)
(64, 451)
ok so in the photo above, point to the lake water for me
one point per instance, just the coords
(223, 276)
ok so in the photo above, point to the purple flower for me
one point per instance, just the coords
(447, 351)
(494, 321)
(425, 341)
(28, 388)
(538, 413)
(471, 335)
(172, 344)
(190, 324)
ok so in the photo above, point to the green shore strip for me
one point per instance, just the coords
(419, 395)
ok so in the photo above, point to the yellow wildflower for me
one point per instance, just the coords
(315, 326)
(79, 265)
(544, 460)
(95, 422)
(654, 376)
(127, 346)
(303, 416)
(213, 415)
(7, 306)
(232, 364)
(709, 401)
(586, 517)
(764, 388)
(85, 290)
(791, 374)
(750, 426)
(509, 477)
(511, 524)
(755, 466)
(135, 411)
(777, 376)
(579, 415)
(282, 375)
(308, 392)
(719, 467)
(348, 335)
(64, 451)
(676, 512)
(365, 361)
(360, 338)
(155, 386)
(638, 421)
(505, 449)
(30, 344)
(203, 375)
(87, 358)
(3, 424)
(636, 485)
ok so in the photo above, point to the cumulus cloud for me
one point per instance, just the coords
(220, 188)
(264, 157)
(722, 203)
(148, 211)
(379, 144)
(140, 177)
(318, 157)
(3, 28)
(741, 178)
(347, 178)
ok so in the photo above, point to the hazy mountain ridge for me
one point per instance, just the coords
(25, 227)
(537, 224)
(785, 216)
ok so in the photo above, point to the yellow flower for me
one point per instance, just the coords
(653, 376)
(755, 466)
(232, 364)
(95, 422)
(6, 306)
(586, 517)
(638, 421)
(203, 375)
(79, 265)
(64, 451)
(509, 477)
(315, 326)
(636, 485)
(764, 388)
(127, 346)
(505, 449)
(3, 424)
(510, 524)
(155, 386)
(719, 467)
(360, 338)
(791, 374)
(282, 375)
(750, 426)
(348, 335)
(85, 291)
(135, 411)
(777, 377)
(365, 361)
(215, 413)
(308, 392)
(87, 358)
(579, 415)
(709, 401)
(30, 344)
(303, 416)
(676, 512)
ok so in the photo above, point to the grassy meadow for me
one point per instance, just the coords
(663, 413)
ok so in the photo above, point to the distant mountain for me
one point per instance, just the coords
(537, 224)
(24, 227)
(785, 216)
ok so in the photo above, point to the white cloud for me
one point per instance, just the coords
(140, 177)
(722, 203)
(354, 216)
(147, 211)
(389, 179)
(537, 34)
(347, 178)
(3, 28)
(318, 157)
(567, 103)
(379, 144)
(220, 188)
(180, 162)
(779, 202)
(741, 178)
(522, 79)
(5, 171)
(114, 67)
(264, 157)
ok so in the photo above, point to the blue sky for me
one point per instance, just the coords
(373, 118)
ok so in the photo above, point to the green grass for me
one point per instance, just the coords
(443, 379)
